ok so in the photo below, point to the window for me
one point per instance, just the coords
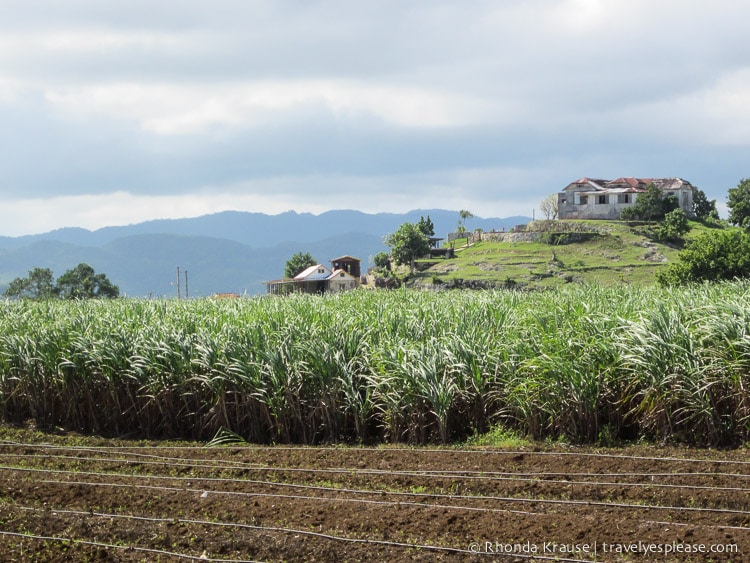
(601, 200)
(583, 200)
(623, 198)
(321, 271)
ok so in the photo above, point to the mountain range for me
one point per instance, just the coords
(231, 251)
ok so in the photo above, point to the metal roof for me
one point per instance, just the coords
(312, 273)
(345, 257)
(629, 184)
(338, 272)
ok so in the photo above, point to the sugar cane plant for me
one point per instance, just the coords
(657, 363)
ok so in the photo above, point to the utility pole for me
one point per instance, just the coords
(186, 285)
(178, 282)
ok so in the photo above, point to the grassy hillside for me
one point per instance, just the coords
(556, 253)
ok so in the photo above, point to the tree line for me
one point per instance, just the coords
(81, 282)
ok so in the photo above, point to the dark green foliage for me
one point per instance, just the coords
(651, 205)
(82, 282)
(79, 283)
(738, 202)
(426, 226)
(702, 206)
(673, 228)
(382, 261)
(298, 263)
(407, 244)
(38, 285)
(719, 255)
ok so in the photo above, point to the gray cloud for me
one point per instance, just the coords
(479, 100)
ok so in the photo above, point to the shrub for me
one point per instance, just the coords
(673, 228)
(713, 256)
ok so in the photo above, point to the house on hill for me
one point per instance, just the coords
(589, 198)
(343, 275)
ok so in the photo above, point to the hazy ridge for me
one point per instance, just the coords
(230, 251)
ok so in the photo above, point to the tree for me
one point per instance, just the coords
(651, 205)
(38, 285)
(382, 261)
(298, 263)
(426, 226)
(702, 206)
(674, 226)
(407, 244)
(712, 256)
(738, 203)
(548, 207)
(463, 215)
(82, 282)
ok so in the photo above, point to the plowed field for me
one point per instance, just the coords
(77, 499)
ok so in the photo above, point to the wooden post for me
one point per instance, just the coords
(186, 285)
(178, 282)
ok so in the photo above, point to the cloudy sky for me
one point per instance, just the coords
(114, 112)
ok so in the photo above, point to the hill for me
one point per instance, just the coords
(222, 252)
(555, 253)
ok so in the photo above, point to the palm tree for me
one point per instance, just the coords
(463, 216)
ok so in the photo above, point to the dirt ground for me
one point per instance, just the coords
(69, 498)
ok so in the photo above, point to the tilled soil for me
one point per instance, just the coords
(77, 499)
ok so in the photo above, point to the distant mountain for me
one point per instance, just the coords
(223, 252)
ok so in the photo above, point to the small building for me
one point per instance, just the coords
(590, 198)
(349, 264)
(344, 275)
(341, 280)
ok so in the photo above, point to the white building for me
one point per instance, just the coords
(342, 276)
(589, 198)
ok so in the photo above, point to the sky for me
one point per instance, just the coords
(114, 112)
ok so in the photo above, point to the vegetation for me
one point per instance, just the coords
(738, 201)
(674, 226)
(298, 263)
(407, 244)
(652, 205)
(553, 254)
(713, 256)
(382, 261)
(704, 208)
(654, 363)
(82, 282)
(426, 226)
(549, 207)
(39, 284)
(463, 216)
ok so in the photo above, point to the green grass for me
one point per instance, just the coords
(498, 437)
(622, 254)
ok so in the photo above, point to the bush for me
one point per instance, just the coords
(650, 206)
(382, 261)
(673, 228)
(719, 255)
